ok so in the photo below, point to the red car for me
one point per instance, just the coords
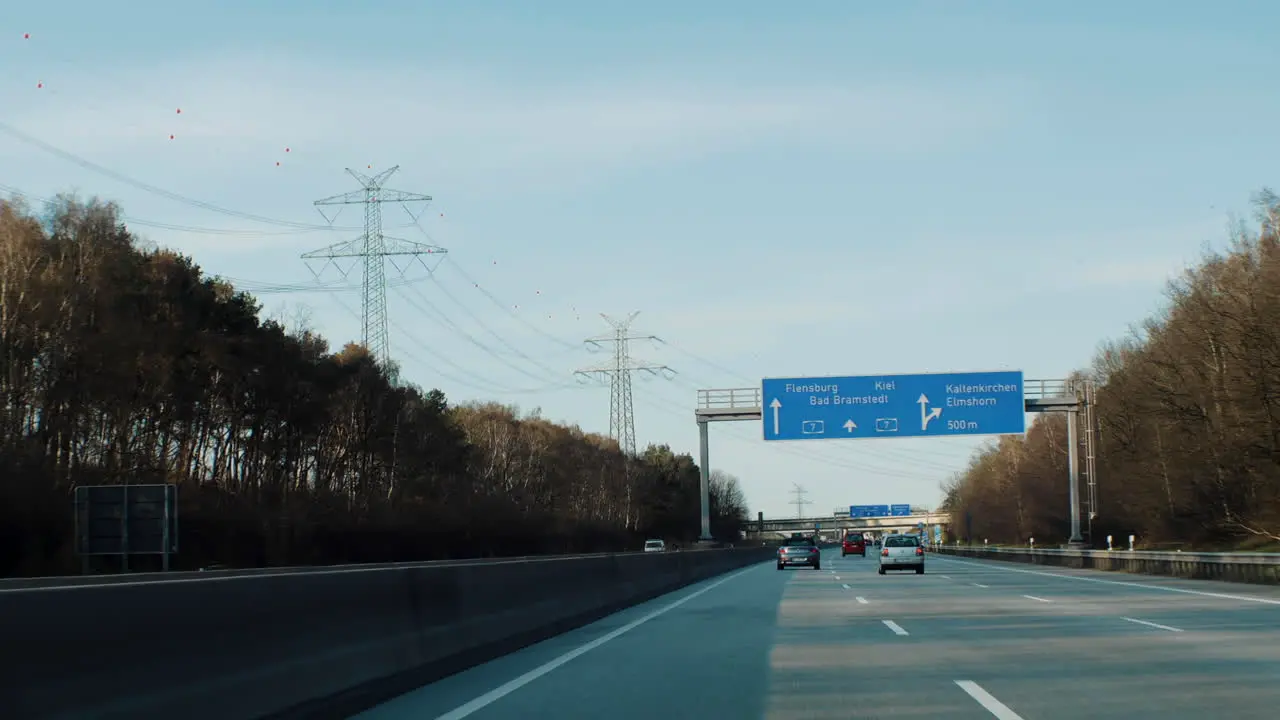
(854, 544)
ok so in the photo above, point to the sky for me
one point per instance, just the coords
(830, 188)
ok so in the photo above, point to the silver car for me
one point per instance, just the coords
(800, 551)
(902, 552)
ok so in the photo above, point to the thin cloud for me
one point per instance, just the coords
(485, 125)
(1141, 257)
(1123, 273)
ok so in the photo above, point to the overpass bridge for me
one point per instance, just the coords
(827, 522)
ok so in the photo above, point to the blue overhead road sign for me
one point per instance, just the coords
(888, 406)
(899, 510)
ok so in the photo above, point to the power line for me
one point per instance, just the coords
(375, 249)
(131, 220)
(505, 307)
(435, 314)
(147, 187)
(622, 420)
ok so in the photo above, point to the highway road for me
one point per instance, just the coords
(968, 639)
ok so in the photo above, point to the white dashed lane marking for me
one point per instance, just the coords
(1157, 626)
(895, 627)
(988, 701)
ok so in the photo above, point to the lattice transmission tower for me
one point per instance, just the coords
(622, 420)
(799, 491)
(375, 249)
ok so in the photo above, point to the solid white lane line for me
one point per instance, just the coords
(996, 565)
(945, 577)
(861, 600)
(1157, 626)
(471, 707)
(895, 627)
(1033, 597)
(981, 585)
(988, 701)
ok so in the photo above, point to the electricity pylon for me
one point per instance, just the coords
(376, 249)
(622, 420)
(799, 491)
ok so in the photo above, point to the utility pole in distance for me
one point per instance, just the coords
(799, 502)
(622, 420)
(375, 249)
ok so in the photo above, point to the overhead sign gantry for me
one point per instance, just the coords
(903, 406)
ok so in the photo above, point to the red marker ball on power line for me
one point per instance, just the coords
(39, 85)
(26, 36)
(170, 137)
(179, 111)
(286, 149)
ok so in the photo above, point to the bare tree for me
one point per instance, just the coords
(1188, 415)
(122, 364)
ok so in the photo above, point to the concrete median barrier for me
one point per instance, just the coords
(1258, 568)
(326, 643)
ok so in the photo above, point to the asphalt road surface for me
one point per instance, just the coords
(968, 639)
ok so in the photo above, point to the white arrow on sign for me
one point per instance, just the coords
(775, 405)
(926, 414)
(850, 425)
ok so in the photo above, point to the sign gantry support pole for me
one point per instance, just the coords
(1072, 396)
(723, 405)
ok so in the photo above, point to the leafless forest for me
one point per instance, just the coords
(125, 364)
(1187, 416)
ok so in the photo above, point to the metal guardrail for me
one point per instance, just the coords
(1034, 389)
(729, 399)
(749, 397)
(1249, 558)
(940, 515)
(55, 582)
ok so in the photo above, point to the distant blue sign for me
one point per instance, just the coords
(888, 406)
(869, 511)
(899, 510)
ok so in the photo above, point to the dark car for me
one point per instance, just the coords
(800, 551)
(854, 544)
